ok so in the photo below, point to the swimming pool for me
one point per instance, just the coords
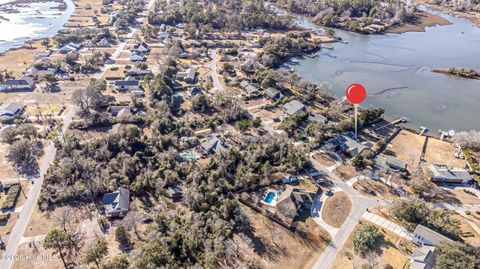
(269, 198)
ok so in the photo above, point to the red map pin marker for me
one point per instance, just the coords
(356, 93)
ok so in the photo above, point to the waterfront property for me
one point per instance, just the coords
(445, 174)
(390, 163)
(346, 144)
(273, 94)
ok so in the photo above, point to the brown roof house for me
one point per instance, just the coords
(291, 202)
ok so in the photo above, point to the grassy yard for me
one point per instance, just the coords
(336, 209)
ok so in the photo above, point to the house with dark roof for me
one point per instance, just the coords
(346, 144)
(423, 258)
(446, 174)
(138, 73)
(291, 202)
(141, 48)
(389, 163)
(273, 94)
(117, 203)
(214, 145)
(175, 192)
(426, 236)
(22, 84)
(294, 107)
(69, 48)
(127, 85)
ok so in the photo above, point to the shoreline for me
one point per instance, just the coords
(423, 20)
(473, 18)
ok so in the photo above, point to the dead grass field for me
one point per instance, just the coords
(324, 159)
(441, 152)
(407, 146)
(19, 60)
(347, 171)
(375, 188)
(8, 173)
(277, 247)
(336, 209)
(389, 253)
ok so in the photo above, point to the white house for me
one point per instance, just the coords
(425, 236)
(141, 48)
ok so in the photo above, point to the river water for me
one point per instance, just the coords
(32, 21)
(396, 71)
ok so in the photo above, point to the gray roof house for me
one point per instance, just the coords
(127, 85)
(445, 174)
(188, 75)
(294, 107)
(244, 84)
(214, 145)
(347, 144)
(426, 236)
(115, 110)
(273, 94)
(315, 117)
(292, 201)
(251, 90)
(117, 203)
(10, 110)
(141, 47)
(390, 163)
(137, 57)
(423, 258)
(21, 84)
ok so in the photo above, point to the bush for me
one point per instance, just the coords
(11, 198)
(365, 239)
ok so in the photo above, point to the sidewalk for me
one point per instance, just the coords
(388, 225)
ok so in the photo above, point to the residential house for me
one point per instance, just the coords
(70, 47)
(137, 57)
(294, 107)
(164, 37)
(273, 94)
(21, 84)
(445, 174)
(213, 145)
(175, 192)
(117, 203)
(251, 90)
(426, 236)
(345, 143)
(127, 85)
(248, 65)
(423, 258)
(188, 75)
(46, 53)
(244, 84)
(316, 117)
(124, 113)
(194, 91)
(141, 48)
(115, 110)
(138, 93)
(390, 163)
(104, 42)
(138, 73)
(291, 202)
(10, 110)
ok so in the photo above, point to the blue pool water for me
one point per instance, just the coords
(270, 197)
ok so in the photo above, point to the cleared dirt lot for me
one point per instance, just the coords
(279, 247)
(407, 146)
(375, 188)
(441, 152)
(336, 209)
